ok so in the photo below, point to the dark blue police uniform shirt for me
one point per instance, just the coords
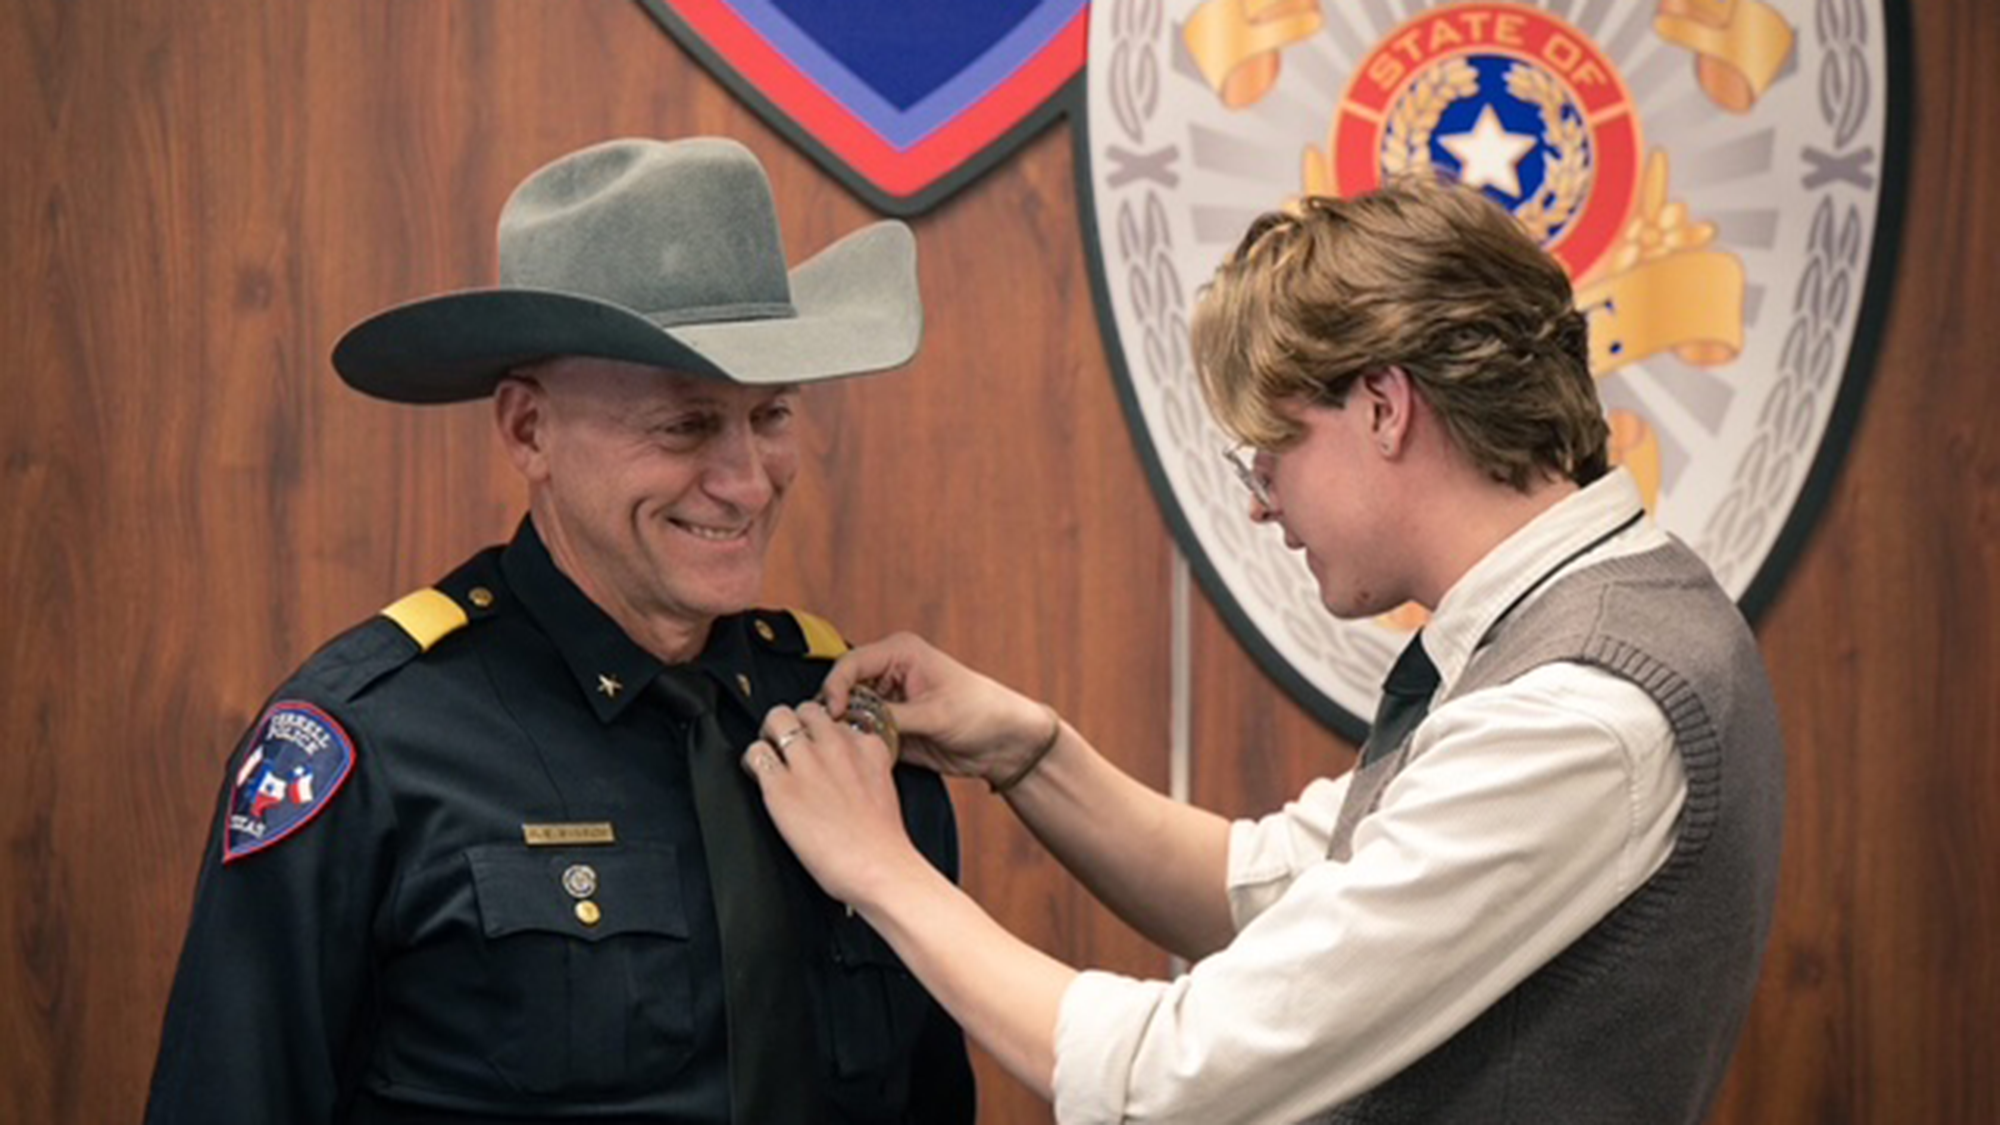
(398, 952)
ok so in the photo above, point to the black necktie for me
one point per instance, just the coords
(771, 1041)
(1406, 697)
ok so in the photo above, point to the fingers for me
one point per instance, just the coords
(869, 663)
(781, 742)
(829, 734)
(781, 732)
(781, 729)
(761, 759)
(887, 662)
(806, 736)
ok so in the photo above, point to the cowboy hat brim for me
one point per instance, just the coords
(856, 303)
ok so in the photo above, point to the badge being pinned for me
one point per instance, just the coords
(299, 760)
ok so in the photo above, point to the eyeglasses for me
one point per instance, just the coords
(1260, 488)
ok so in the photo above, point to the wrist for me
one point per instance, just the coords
(901, 874)
(1027, 764)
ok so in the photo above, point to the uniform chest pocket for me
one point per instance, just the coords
(586, 951)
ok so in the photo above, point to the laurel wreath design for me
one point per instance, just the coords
(1567, 180)
(1406, 144)
(1837, 248)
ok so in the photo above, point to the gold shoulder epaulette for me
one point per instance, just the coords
(428, 616)
(823, 641)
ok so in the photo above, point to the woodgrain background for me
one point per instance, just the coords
(200, 194)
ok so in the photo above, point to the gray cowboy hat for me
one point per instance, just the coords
(664, 253)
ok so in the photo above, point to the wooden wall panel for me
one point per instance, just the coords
(1881, 997)
(1253, 746)
(202, 193)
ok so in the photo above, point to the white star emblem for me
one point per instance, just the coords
(1488, 154)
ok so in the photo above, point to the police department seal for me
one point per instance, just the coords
(1720, 178)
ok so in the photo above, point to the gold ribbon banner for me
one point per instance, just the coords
(1740, 46)
(1235, 43)
(1691, 302)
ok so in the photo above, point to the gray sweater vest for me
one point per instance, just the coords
(1635, 1021)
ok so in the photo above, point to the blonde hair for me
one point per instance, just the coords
(1423, 275)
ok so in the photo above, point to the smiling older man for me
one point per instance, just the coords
(488, 855)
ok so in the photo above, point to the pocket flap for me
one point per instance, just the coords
(632, 888)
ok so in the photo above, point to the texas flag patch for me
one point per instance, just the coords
(299, 759)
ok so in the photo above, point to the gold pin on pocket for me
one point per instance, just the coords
(580, 880)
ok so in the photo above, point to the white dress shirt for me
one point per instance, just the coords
(1525, 814)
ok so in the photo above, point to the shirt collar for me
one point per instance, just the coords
(731, 661)
(1475, 603)
(610, 668)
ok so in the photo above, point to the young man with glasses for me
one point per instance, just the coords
(1543, 893)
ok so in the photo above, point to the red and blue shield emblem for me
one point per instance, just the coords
(299, 758)
(904, 101)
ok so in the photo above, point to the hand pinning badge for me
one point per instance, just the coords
(868, 713)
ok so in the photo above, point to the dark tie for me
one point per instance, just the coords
(771, 1041)
(1406, 696)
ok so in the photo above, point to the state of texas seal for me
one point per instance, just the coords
(1721, 178)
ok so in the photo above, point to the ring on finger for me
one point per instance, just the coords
(787, 738)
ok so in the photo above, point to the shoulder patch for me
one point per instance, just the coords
(823, 641)
(428, 616)
(298, 760)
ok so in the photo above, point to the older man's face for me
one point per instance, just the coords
(659, 492)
